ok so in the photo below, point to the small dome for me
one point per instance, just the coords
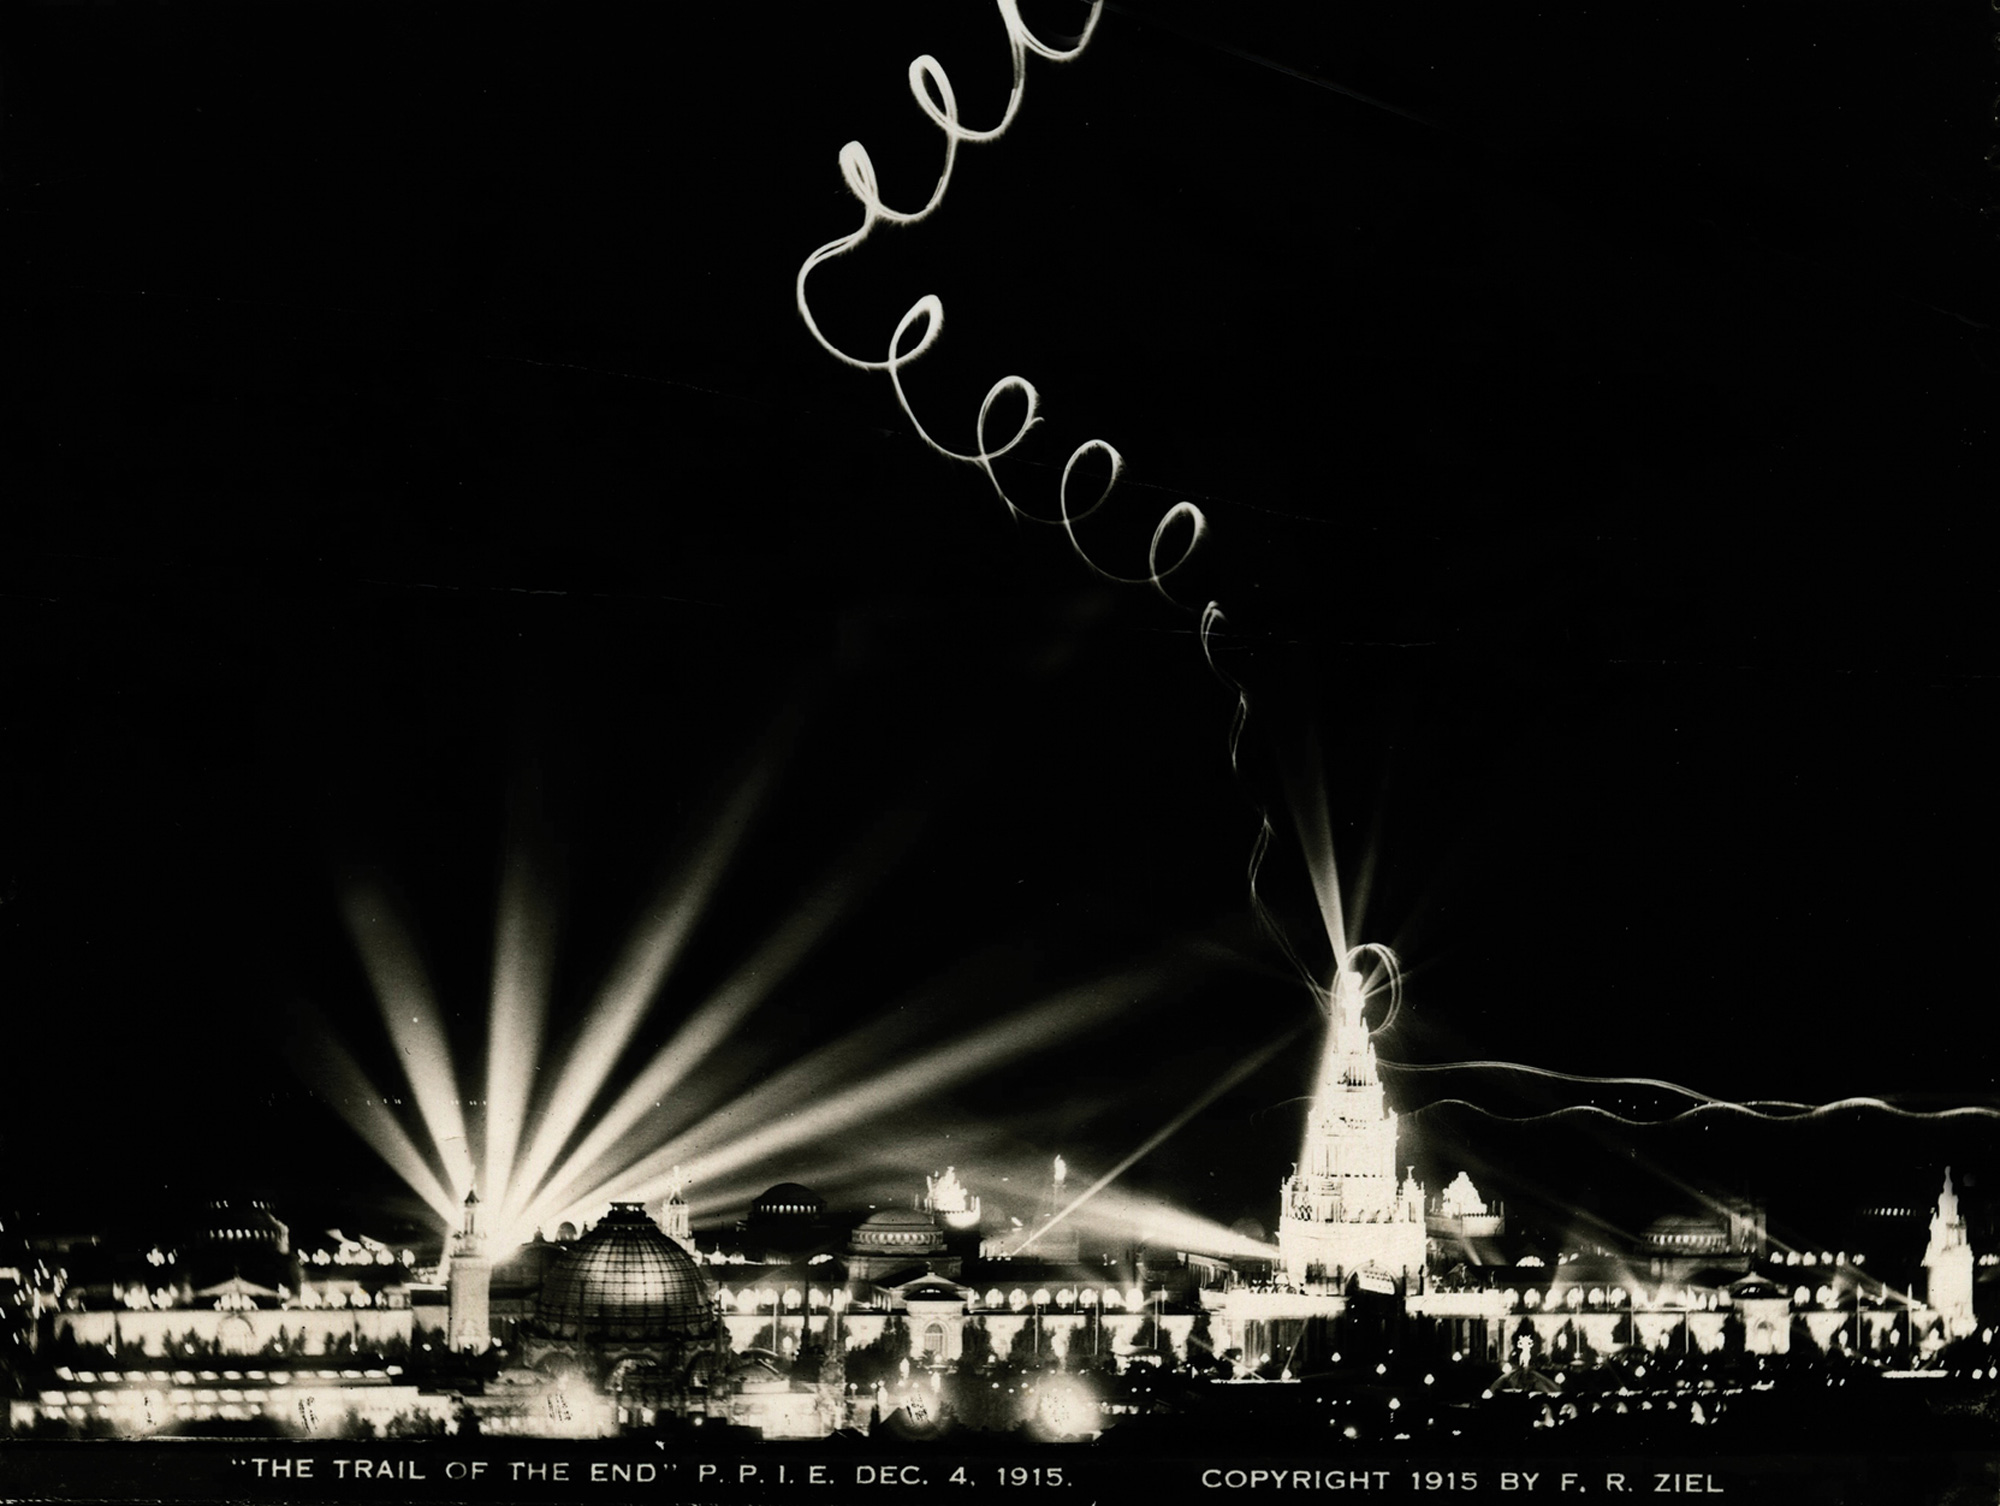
(897, 1231)
(1686, 1232)
(788, 1200)
(625, 1281)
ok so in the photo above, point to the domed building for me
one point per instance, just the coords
(898, 1242)
(789, 1222)
(626, 1302)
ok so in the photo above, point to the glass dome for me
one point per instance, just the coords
(625, 1281)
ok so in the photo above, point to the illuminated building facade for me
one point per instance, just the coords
(1344, 1211)
(624, 1327)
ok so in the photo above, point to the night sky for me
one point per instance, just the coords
(413, 454)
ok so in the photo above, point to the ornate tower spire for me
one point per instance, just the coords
(1344, 1209)
(1948, 1265)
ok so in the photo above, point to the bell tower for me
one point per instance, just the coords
(470, 1284)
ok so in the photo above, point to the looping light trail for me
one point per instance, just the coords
(1212, 618)
(923, 322)
(857, 170)
(1720, 1106)
(1551, 1072)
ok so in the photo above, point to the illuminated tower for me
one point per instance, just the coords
(1948, 1263)
(470, 1284)
(676, 1218)
(1343, 1209)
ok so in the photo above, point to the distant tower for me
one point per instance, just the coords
(1343, 1209)
(676, 1219)
(470, 1284)
(1948, 1263)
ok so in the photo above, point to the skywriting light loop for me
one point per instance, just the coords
(930, 87)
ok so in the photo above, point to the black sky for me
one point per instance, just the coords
(407, 415)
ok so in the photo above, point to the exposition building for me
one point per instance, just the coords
(795, 1321)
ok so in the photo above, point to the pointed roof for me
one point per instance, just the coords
(236, 1286)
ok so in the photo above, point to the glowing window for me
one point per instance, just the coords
(1801, 1296)
(1596, 1297)
(993, 1298)
(791, 1297)
(1531, 1299)
(1824, 1296)
(1041, 1296)
(1017, 1299)
(1574, 1298)
(1065, 1297)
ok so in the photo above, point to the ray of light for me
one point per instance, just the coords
(524, 956)
(403, 993)
(1133, 1217)
(1165, 1132)
(321, 1058)
(1306, 790)
(608, 1025)
(852, 1055)
(847, 883)
(712, 1149)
